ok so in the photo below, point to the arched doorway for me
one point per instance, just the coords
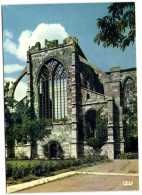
(53, 150)
(90, 122)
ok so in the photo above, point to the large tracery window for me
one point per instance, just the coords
(60, 93)
(45, 94)
(128, 92)
(52, 91)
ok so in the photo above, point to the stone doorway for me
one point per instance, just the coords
(53, 150)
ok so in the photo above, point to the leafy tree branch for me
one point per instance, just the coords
(117, 29)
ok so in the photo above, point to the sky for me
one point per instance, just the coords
(23, 25)
(77, 21)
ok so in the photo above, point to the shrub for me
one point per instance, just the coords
(47, 167)
(129, 155)
(22, 156)
(11, 180)
(95, 121)
(9, 169)
(38, 169)
(30, 177)
(52, 166)
(16, 172)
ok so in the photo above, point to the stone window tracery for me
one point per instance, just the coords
(52, 91)
(45, 94)
(90, 80)
(60, 92)
(128, 91)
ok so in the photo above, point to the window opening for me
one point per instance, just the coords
(128, 92)
(88, 96)
(60, 92)
(53, 91)
(45, 95)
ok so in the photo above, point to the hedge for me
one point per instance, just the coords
(129, 155)
(46, 167)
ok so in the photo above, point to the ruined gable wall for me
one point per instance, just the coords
(37, 60)
(124, 74)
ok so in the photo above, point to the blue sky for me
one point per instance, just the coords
(25, 24)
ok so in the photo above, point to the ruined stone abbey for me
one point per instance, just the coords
(63, 86)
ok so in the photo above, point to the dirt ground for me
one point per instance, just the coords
(116, 166)
(90, 182)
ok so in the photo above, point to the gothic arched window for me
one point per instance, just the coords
(45, 94)
(52, 91)
(128, 92)
(60, 92)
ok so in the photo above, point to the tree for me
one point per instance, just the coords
(9, 119)
(117, 29)
(8, 101)
(35, 130)
(21, 124)
(100, 130)
(130, 124)
(28, 128)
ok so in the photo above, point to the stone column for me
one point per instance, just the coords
(28, 78)
(121, 130)
(115, 78)
(110, 120)
(110, 140)
(74, 108)
(74, 140)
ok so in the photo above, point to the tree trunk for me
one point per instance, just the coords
(31, 156)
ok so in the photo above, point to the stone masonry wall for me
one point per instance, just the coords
(124, 74)
(60, 133)
(87, 87)
(38, 59)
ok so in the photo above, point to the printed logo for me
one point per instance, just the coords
(127, 183)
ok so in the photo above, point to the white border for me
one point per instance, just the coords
(13, 2)
(139, 73)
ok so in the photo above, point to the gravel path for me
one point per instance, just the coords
(116, 166)
(89, 182)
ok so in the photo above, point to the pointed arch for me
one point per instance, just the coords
(13, 88)
(128, 88)
(52, 87)
(127, 78)
(49, 63)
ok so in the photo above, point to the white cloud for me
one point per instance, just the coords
(10, 47)
(10, 68)
(21, 88)
(28, 38)
(7, 34)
